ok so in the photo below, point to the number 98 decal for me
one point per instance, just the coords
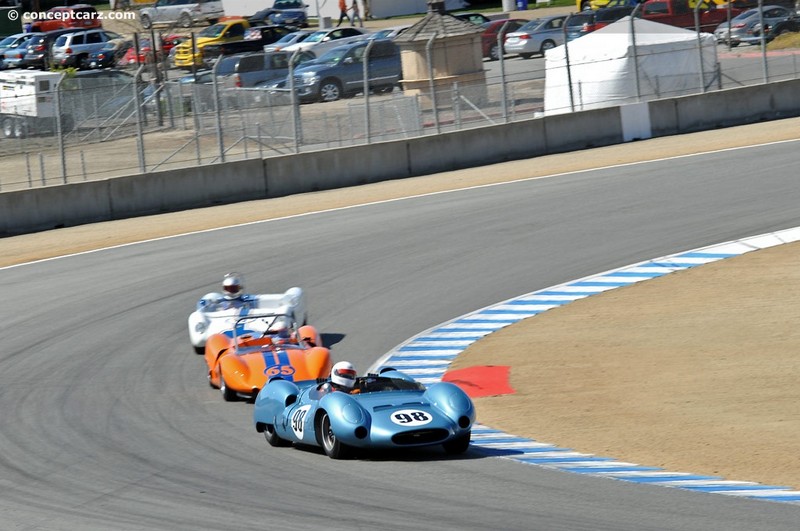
(298, 421)
(411, 417)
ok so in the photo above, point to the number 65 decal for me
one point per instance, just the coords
(411, 417)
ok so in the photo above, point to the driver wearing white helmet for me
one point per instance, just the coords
(233, 295)
(343, 378)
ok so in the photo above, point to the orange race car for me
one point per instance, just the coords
(241, 360)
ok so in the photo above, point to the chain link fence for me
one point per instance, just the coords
(85, 127)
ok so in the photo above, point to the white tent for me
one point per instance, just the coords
(614, 66)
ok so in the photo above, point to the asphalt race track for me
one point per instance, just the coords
(108, 422)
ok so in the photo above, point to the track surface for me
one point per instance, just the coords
(108, 422)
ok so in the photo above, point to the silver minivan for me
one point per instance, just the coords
(74, 48)
(183, 13)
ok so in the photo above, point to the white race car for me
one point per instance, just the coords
(215, 313)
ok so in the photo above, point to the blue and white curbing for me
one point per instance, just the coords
(427, 356)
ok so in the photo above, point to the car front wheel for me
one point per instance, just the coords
(330, 443)
(145, 21)
(228, 394)
(330, 90)
(458, 445)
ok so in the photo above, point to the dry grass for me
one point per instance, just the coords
(787, 40)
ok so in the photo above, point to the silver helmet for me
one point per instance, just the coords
(233, 285)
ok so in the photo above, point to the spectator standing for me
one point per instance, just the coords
(356, 15)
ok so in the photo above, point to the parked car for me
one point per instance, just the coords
(579, 24)
(109, 55)
(746, 27)
(287, 12)
(38, 49)
(73, 49)
(389, 33)
(260, 68)
(537, 36)
(340, 72)
(474, 18)
(491, 32)
(229, 30)
(12, 48)
(183, 13)
(321, 41)
(168, 43)
(78, 16)
(288, 40)
(255, 38)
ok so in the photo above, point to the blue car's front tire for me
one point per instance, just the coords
(458, 445)
(333, 447)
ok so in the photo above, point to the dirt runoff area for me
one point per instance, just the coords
(695, 371)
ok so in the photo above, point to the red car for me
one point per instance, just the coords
(145, 50)
(79, 16)
(490, 33)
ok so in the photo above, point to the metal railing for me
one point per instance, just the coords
(117, 126)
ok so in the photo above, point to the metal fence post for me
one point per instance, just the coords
(569, 67)
(763, 41)
(139, 132)
(218, 111)
(635, 53)
(501, 57)
(456, 105)
(41, 169)
(365, 60)
(429, 56)
(60, 131)
(296, 124)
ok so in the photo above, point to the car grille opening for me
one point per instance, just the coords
(420, 437)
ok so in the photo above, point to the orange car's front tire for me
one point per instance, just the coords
(228, 394)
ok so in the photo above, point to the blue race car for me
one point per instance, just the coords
(385, 410)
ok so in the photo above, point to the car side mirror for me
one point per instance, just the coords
(348, 60)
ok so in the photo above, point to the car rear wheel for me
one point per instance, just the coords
(185, 21)
(330, 443)
(494, 52)
(547, 45)
(458, 445)
(8, 127)
(228, 394)
(330, 90)
(145, 21)
(272, 436)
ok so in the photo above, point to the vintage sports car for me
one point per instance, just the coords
(241, 360)
(385, 410)
(215, 312)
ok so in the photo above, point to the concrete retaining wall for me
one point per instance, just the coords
(50, 207)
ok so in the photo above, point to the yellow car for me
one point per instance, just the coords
(222, 32)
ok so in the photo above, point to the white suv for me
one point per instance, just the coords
(183, 13)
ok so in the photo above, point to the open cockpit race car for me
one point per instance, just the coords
(241, 360)
(217, 312)
(389, 410)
